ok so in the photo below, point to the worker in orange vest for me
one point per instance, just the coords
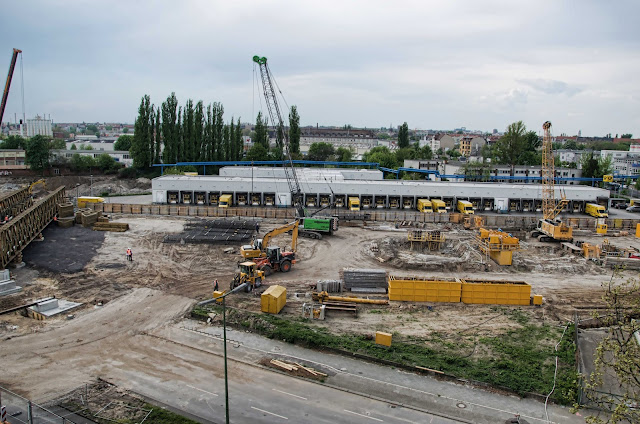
(129, 254)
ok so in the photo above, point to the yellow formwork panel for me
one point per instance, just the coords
(414, 289)
(637, 230)
(496, 292)
(383, 338)
(502, 257)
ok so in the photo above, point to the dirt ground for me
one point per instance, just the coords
(121, 299)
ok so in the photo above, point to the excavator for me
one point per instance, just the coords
(550, 227)
(269, 259)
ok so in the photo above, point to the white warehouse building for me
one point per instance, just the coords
(333, 188)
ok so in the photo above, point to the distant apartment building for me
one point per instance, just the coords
(471, 145)
(571, 156)
(12, 159)
(39, 126)
(623, 162)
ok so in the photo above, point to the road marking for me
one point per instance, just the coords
(366, 416)
(212, 394)
(267, 412)
(290, 394)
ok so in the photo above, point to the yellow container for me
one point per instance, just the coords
(383, 338)
(217, 294)
(637, 230)
(273, 299)
(537, 300)
(415, 289)
(496, 292)
(82, 201)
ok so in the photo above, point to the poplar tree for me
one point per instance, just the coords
(198, 120)
(169, 128)
(239, 141)
(262, 133)
(158, 143)
(294, 130)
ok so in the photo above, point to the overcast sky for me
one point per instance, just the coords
(439, 65)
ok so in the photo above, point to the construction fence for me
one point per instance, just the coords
(23, 410)
(501, 221)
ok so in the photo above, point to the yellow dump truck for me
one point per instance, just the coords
(425, 206)
(438, 206)
(596, 210)
(465, 207)
(83, 201)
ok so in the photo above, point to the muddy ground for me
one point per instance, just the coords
(121, 299)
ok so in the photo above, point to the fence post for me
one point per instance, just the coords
(29, 412)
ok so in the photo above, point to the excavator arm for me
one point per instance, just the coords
(292, 226)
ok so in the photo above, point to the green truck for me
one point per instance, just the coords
(315, 227)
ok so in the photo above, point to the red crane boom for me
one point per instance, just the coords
(5, 95)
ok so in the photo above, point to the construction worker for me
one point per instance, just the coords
(215, 285)
(257, 227)
(129, 254)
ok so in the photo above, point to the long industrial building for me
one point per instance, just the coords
(262, 186)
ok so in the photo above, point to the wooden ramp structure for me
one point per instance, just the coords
(16, 234)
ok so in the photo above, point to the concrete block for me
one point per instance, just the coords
(46, 305)
(9, 287)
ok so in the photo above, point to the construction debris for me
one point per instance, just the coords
(295, 368)
(364, 278)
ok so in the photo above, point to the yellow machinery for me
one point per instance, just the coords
(498, 245)
(550, 227)
(425, 206)
(601, 226)
(438, 206)
(249, 273)
(354, 204)
(465, 207)
(43, 182)
(259, 246)
(476, 222)
(83, 201)
(432, 239)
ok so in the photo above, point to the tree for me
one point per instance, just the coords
(381, 155)
(58, 144)
(239, 141)
(294, 130)
(626, 135)
(262, 133)
(123, 143)
(98, 134)
(37, 153)
(106, 162)
(511, 145)
(169, 128)
(158, 138)
(13, 142)
(73, 147)
(257, 152)
(125, 130)
(403, 136)
(72, 130)
(141, 146)
(321, 151)
(280, 136)
(405, 153)
(593, 167)
(82, 162)
(108, 127)
(92, 129)
(618, 353)
(344, 154)
(571, 145)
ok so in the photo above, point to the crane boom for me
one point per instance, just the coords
(549, 207)
(7, 85)
(277, 121)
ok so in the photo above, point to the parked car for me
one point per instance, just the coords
(634, 208)
(621, 205)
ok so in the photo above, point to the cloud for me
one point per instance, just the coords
(548, 86)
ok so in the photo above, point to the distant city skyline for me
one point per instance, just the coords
(431, 64)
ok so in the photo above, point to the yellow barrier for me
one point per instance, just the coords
(496, 292)
(383, 338)
(415, 289)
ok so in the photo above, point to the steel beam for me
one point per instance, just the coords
(23, 228)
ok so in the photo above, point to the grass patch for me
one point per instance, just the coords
(164, 416)
(521, 360)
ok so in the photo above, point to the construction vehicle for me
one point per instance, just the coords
(83, 201)
(248, 273)
(425, 206)
(354, 203)
(497, 245)
(5, 94)
(35, 183)
(550, 227)
(259, 246)
(225, 201)
(596, 210)
(465, 207)
(297, 195)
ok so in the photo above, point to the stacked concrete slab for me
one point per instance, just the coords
(7, 285)
(330, 286)
(361, 279)
(65, 215)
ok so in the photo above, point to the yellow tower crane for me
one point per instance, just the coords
(550, 227)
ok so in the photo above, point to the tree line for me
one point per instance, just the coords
(171, 133)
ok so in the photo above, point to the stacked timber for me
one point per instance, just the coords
(89, 218)
(65, 215)
(363, 279)
(118, 227)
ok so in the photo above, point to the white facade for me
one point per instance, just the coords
(120, 156)
(39, 126)
(623, 162)
(430, 141)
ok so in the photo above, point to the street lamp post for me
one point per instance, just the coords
(224, 338)
(77, 185)
(91, 184)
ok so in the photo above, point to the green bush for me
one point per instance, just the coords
(127, 173)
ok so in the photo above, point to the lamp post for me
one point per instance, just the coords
(224, 338)
(77, 185)
(91, 184)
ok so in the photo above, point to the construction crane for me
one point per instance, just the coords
(550, 227)
(297, 197)
(7, 85)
